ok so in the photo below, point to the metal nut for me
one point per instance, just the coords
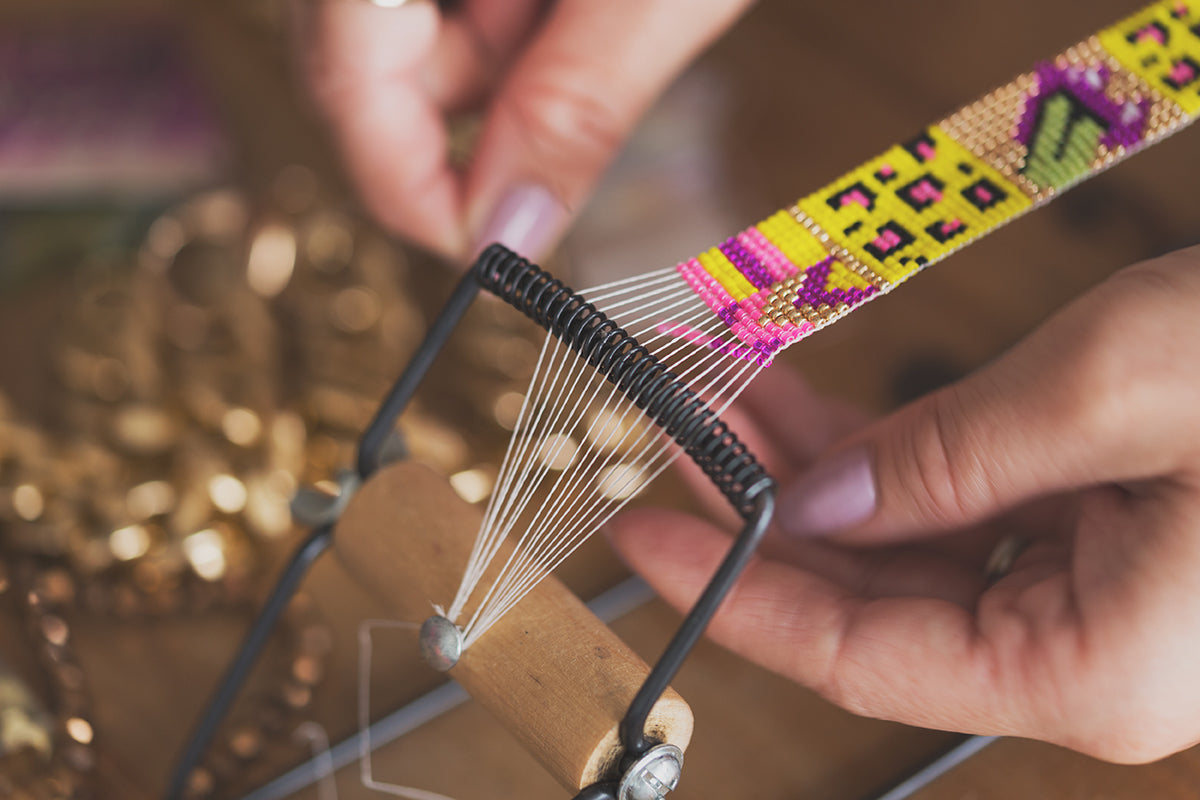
(653, 775)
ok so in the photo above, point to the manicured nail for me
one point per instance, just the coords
(527, 220)
(833, 495)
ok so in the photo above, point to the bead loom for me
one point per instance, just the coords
(663, 355)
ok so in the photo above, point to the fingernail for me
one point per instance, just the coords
(527, 220)
(834, 494)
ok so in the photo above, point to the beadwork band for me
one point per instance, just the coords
(979, 168)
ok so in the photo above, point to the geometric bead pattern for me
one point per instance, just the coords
(913, 205)
(1161, 44)
(859, 237)
(1078, 113)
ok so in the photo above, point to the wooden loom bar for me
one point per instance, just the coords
(549, 670)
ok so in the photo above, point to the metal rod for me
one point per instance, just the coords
(370, 451)
(614, 603)
(756, 500)
(260, 631)
(405, 719)
(937, 768)
(633, 726)
(374, 438)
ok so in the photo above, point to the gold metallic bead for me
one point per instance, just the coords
(219, 216)
(246, 742)
(307, 670)
(28, 502)
(355, 310)
(79, 729)
(129, 542)
(206, 552)
(144, 428)
(297, 696)
(272, 259)
(164, 238)
(327, 241)
(227, 493)
(241, 426)
(54, 630)
(149, 499)
(201, 783)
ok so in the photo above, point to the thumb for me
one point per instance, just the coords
(1081, 402)
(567, 105)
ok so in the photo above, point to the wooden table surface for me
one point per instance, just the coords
(809, 90)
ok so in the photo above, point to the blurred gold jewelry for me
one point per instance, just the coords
(235, 358)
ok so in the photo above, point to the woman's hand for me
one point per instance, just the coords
(562, 83)
(1084, 440)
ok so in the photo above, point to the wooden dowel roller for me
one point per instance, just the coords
(549, 670)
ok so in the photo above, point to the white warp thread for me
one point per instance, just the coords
(581, 450)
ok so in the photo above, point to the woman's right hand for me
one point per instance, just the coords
(876, 589)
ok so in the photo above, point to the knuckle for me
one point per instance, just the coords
(566, 121)
(1165, 277)
(1137, 724)
(848, 697)
(935, 467)
(1128, 737)
(1091, 398)
(1126, 348)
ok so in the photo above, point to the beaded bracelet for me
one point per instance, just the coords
(981, 167)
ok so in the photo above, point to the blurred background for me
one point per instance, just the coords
(196, 318)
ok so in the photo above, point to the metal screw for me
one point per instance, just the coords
(441, 643)
(313, 507)
(653, 775)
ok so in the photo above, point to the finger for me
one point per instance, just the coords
(567, 105)
(912, 659)
(344, 45)
(1080, 402)
(474, 48)
(764, 419)
(363, 63)
(801, 422)
(765, 451)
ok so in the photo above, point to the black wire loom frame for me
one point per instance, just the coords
(621, 359)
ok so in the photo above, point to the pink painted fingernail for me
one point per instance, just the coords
(527, 220)
(835, 494)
